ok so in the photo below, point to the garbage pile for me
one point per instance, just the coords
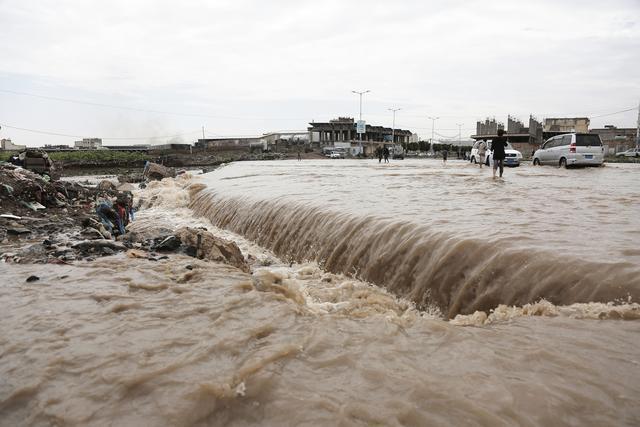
(24, 192)
(36, 160)
(59, 222)
(59, 215)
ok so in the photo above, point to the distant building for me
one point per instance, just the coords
(616, 139)
(488, 127)
(227, 144)
(88, 144)
(135, 147)
(523, 138)
(343, 129)
(58, 147)
(176, 147)
(566, 124)
(6, 144)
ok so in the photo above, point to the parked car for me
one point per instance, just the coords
(512, 156)
(336, 155)
(571, 149)
(633, 152)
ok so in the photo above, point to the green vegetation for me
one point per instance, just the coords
(88, 156)
(97, 156)
(4, 155)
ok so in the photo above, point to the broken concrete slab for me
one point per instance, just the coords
(213, 248)
(18, 230)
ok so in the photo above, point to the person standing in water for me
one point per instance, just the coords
(385, 151)
(445, 153)
(482, 152)
(498, 145)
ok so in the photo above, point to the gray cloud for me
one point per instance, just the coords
(293, 61)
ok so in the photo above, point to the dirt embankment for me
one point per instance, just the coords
(129, 163)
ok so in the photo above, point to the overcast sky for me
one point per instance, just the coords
(247, 67)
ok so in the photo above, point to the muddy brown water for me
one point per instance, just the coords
(127, 341)
(446, 236)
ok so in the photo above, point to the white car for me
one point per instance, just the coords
(336, 155)
(634, 152)
(512, 156)
(579, 149)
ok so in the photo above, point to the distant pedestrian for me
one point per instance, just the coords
(498, 145)
(379, 153)
(299, 156)
(385, 152)
(445, 153)
(482, 152)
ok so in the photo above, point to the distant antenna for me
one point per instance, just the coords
(638, 129)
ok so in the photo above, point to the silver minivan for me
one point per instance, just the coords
(571, 149)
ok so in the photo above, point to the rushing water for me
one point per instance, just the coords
(127, 341)
(446, 236)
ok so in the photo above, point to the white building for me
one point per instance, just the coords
(6, 144)
(88, 144)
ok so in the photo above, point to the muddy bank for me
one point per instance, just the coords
(103, 164)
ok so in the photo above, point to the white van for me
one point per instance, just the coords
(571, 149)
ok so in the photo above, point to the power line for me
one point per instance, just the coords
(175, 113)
(143, 110)
(85, 136)
(611, 114)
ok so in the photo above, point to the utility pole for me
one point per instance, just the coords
(360, 116)
(393, 127)
(203, 132)
(433, 122)
(638, 129)
(460, 133)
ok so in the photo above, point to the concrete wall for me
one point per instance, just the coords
(616, 139)
(6, 144)
(566, 124)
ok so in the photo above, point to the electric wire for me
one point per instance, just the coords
(108, 137)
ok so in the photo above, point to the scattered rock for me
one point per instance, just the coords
(171, 243)
(106, 185)
(107, 251)
(32, 278)
(210, 247)
(156, 172)
(18, 230)
(87, 245)
(135, 253)
(126, 187)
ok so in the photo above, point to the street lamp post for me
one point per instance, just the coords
(360, 117)
(433, 122)
(393, 127)
(459, 133)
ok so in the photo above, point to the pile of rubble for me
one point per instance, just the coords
(23, 191)
(56, 222)
(56, 214)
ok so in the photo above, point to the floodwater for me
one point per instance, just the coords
(315, 337)
(447, 237)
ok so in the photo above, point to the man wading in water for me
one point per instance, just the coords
(497, 145)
